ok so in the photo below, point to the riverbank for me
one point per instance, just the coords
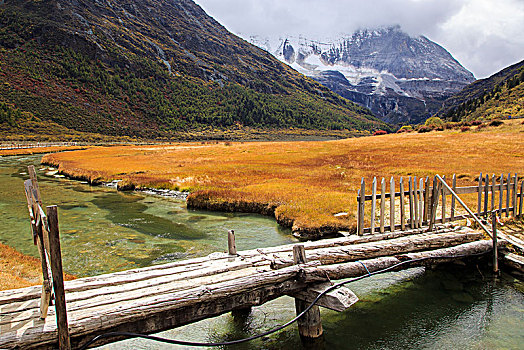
(18, 270)
(308, 186)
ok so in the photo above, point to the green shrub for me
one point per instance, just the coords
(434, 122)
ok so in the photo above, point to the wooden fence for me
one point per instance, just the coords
(46, 237)
(425, 199)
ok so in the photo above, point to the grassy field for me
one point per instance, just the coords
(303, 183)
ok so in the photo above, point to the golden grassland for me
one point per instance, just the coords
(303, 183)
(18, 270)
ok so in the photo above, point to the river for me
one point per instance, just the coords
(103, 230)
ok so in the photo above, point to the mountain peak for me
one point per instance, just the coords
(377, 62)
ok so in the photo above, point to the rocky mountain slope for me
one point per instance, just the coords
(399, 77)
(149, 68)
(499, 96)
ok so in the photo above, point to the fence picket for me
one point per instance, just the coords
(392, 204)
(443, 202)
(373, 203)
(411, 210)
(361, 205)
(479, 195)
(508, 194)
(382, 203)
(501, 194)
(402, 207)
(415, 201)
(454, 187)
(493, 180)
(421, 201)
(486, 195)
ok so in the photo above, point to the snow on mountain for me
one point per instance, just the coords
(403, 78)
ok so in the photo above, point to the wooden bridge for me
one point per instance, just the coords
(157, 298)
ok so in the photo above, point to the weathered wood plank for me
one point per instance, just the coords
(454, 188)
(493, 190)
(421, 202)
(353, 269)
(310, 324)
(402, 206)
(373, 204)
(514, 199)
(508, 194)
(415, 201)
(64, 342)
(479, 196)
(443, 202)
(411, 209)
(231, 244)
(486, 195)
(339, 299)
(521, 201)
(501, 193)
(361, 203)
(382, 204)
(392, 204)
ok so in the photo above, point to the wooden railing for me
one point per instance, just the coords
(46, 237)
(425, 199)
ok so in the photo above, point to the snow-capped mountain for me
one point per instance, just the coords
(399, 77)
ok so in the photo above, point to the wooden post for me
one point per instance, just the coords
(479, 195)
(486, 196)
(64, 342)
(411, 213)
(495, 248)
(443, 202)
(493, 180)
(501, 193)
(421, 201)
(521, 198)
(515, 189)
(309, 325)
(361, 201)
(373, 203)
(508, 193)
(232, 247)
(426, 199)
(415, 201)
(402, 208)
(434, 203)
(34, 182)
(382, 203)
(454, 187)
(392, 204)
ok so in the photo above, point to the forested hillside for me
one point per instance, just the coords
(150, 68)
(501, 95)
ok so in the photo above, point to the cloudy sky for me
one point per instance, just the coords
(483, 35)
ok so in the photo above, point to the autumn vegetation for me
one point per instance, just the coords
(302, 183)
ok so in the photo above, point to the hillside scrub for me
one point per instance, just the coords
(302, 183)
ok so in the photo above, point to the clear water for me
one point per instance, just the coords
(103, 230)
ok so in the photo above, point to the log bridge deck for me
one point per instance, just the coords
(161, 297)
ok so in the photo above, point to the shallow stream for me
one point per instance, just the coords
(104, 230)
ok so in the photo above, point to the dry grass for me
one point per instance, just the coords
(307, 182)
(18, 270)
(37, 150)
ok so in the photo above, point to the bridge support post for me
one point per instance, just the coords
(309, 325)
(64, 342)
